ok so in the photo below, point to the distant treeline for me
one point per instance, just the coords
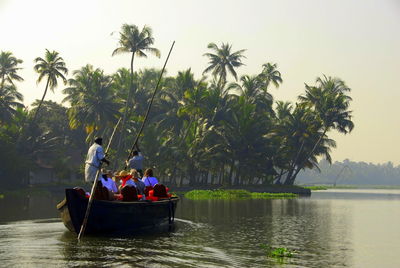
(349, 172)
(200, 131)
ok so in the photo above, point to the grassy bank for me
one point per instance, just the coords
(234, 195)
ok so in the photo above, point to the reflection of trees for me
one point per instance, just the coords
(25, 207)
(316, 230)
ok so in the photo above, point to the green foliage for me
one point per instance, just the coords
(234, 195)
(223, 61)
(280, 252)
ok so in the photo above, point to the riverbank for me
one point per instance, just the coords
(60, 187)
(273, 189)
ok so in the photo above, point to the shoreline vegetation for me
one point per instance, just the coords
(234, 195)
(300, 190)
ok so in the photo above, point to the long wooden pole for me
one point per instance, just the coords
(84, 223)
(149, 107)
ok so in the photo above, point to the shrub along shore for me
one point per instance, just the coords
(234, 195)
(270, 189)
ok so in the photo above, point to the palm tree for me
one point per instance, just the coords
(137, 42)
(10, 101)
(223, 61)
(330, 103)
(92, 100)
(252, 89)
(329, 100)
(270, 74)
(52, 67)
(8, 68)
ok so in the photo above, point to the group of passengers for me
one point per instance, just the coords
(132, 186)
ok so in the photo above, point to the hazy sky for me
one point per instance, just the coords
(357, 41)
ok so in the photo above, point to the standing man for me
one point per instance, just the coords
(94, 157)
(136, 162)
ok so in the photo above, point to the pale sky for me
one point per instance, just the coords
(357, 41)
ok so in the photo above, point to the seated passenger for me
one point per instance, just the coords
(129, 193)
(102, 193)
(140, 187)
(148, 178)
(159, 192)
(125, 178)
(108, 182)
(81, 191)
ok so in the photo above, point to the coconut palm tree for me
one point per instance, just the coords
(270, 74)
(138, 42)
(223, 61)
(8, 68)
(10, 101)
(330, 104)
(53, 67)
(92, 99)
(252, 89)
(295, 132)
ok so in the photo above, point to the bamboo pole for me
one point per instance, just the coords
(149, 107)
(84, 223)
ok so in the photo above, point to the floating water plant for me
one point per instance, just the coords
(280, 252)
(234, 194)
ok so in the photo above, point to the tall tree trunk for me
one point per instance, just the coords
(278, 179)
(3, 79)
(238, 174)
(173, 176)
(121, 136)
(291, 177)
(180, 180)
(220, 176)
(41, 101)
(231, 167)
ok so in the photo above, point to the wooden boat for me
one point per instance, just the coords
(107, 217)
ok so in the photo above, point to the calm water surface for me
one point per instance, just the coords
(334, 228)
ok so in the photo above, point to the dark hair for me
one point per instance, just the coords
(160, 191)
(98, 140)
(148, 172)
(129, 193)
(135, 153)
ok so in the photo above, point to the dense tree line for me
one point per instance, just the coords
(207, 130)
(351, 172)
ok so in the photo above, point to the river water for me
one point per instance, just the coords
(333, 228)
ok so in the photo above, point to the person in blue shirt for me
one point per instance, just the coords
(136, 162)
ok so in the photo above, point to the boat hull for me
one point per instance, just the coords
(107, 217)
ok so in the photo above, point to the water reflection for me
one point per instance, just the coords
(326, 232)
(38, 206)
